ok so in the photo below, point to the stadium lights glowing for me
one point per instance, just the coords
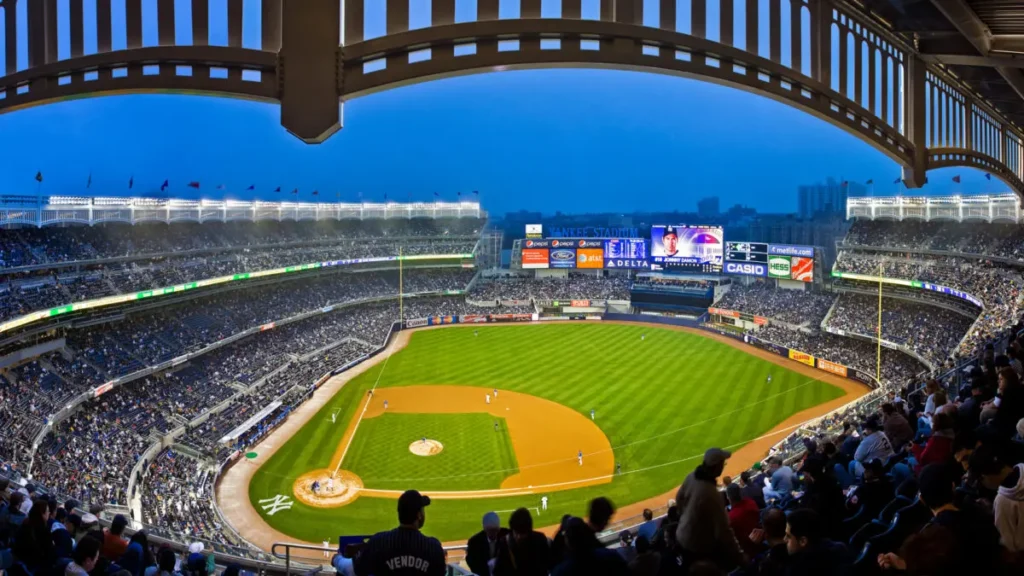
(145, 294)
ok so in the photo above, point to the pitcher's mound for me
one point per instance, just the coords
(343, 488)
(426, 448)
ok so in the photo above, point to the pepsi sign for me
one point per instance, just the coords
(746, 268)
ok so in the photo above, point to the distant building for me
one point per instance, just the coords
(828, 199)
(708, 207)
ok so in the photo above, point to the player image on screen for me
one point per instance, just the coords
(669, 243)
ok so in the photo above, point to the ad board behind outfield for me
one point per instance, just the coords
(535, 257)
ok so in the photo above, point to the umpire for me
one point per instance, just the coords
(404, 551)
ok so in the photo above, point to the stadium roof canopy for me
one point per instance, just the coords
(979, 41)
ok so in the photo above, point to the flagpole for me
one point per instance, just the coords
(401, 310)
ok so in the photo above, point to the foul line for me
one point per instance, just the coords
(611, 449)
(366, 406)
(535, 489)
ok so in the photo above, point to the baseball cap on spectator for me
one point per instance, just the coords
(195, 548)
(491, 520)
(71, 504)
(935, 484)
(716, 457)
(410, 503)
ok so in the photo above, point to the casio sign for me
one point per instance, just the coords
(746, 269)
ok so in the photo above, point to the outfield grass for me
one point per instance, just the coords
(661, 401)
(474, 455)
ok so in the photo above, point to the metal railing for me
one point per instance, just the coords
(288, 552)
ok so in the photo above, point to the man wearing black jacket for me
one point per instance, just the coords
(483, 546)
(522, 551)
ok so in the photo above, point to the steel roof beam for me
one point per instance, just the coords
(960, 14)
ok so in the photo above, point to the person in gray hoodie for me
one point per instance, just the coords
(703, 532)
(1008, 481)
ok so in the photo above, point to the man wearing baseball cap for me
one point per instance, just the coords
(670, 241)
(703, 532)
(404, 551)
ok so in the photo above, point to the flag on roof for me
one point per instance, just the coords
(165, 185)
(251, 187)
(131, 182)
(956, 178)
(39, 176)
(988, 176)
(278, 189)
(194, 185)
(88, 184)
(869, 182)
(897, 181)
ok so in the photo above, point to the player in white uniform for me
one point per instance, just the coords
(334, 417)
(591, 413)
(495, 393)
(385, 405)
(327, 544)
(544, 503)
(487, 397)
(769, 378)
(330, 485)
(579, 456)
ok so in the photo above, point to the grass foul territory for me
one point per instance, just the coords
(660, 398)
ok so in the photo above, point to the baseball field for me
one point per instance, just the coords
(659, 397)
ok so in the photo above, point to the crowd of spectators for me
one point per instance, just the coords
(930, 331)
(980, 238)
(576, 286)
(897, 367)
(997, 286)
(798, 307)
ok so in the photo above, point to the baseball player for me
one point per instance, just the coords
(327, 544)
(424, 439)
(579, 456)
(642, 337)
(591, 413)
(769, 378)
(334, 417)
(385, 405)
(330, 485)
(495, 393)
(618, 467)
(475, 333)
(495, 425)
(487, 397)
(544, 503)
(316, 487)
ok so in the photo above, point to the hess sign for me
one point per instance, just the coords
(746, 268)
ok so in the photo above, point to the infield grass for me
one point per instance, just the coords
(660, 401)
(474, 455)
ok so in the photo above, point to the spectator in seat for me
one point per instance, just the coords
(673, 558)
(32, 544)
(977, 548)
(703, 532)
(524, 552)
(1007, 481)
(649, 527)
(1010, 408)
(166, 561)
(114, 544)
(584, 557)
(62, 533)
(873, 445)
(744, 517)
(939, 448)
(781, 480)
(875, 492)
(84, 558)
(896, 428)
(483, 546)
(647, 561)
(838, 464)
(810, 554)
(405, 547)
(751, 489)
(626, 549)
(557, 551)
(969, 411)
(772, 559)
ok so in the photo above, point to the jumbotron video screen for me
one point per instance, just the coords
(687, 248)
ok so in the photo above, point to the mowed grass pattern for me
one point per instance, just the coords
(661, 401)
(474, 455)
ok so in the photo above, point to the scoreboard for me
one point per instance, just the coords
(747, 252)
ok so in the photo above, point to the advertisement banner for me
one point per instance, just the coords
(415, 323)
(563, 244)
(534, 230)
(760, 320)
(724, 312)
(593, 317)
(537, 244)
(473, 318)
(535, 258)
(801, 357)
(790, 250)
(579, 303)
(515, 302)
(103, 389)
(802, 269)
(589, 258)
(562, 257)
(628, 263)
(861, 377)
(832, 367)
(510, 317)
(440, 320)
(590, 243)
(746, 268)
(778, 267)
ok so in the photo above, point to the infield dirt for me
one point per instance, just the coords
(233, 490)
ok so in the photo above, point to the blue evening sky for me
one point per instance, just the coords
(570, 140)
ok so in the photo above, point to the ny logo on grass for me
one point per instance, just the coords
(276, 504)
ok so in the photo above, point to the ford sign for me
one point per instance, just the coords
(563, 258)
(746, 269)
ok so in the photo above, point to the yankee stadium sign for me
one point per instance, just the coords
(593, 232)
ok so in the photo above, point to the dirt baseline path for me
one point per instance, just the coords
(233, 491)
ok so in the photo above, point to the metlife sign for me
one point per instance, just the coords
(746, 269)
(788, 250)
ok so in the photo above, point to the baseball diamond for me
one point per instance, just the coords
(658, 401)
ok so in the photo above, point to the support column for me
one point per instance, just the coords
(309, 66)
(11, 34)
(914, 175)
(968, 122)
(271, 23)
(821, 42)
